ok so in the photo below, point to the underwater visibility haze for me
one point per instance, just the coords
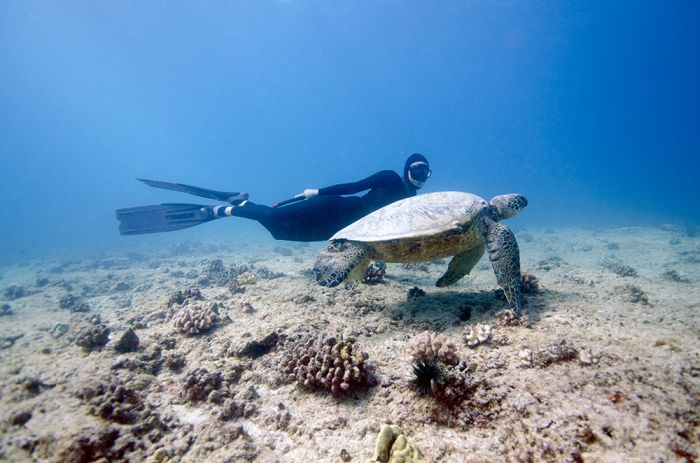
(589, 109)
(218, 342)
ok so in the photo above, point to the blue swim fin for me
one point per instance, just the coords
(162, 218)
(234, 198)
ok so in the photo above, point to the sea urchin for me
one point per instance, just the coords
(426, 372)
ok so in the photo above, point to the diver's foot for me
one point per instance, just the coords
(217, 211)
(238, 198)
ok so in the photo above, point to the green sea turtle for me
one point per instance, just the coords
(426, 227)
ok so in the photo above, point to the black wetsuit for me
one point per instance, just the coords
(320, 217)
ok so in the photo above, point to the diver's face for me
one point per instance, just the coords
(418, 173)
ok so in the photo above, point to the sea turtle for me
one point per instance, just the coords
(427, 227)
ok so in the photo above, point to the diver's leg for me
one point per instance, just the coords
(252, 211)
(315, 219)
(304, 221)
(270, 218)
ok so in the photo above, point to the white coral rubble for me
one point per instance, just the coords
(246, 278)
(525, 357)
(588, 356)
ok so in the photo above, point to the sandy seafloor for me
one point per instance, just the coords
(629, 393)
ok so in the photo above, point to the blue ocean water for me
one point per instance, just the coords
(589, 108)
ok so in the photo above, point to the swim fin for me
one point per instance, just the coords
(234, 198)
(162, 218)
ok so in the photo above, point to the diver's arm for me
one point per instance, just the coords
(382, 179)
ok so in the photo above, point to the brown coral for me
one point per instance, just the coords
(529, 284)
(201, 385)
(319, 362)
(139, 426)
(113, 402)
(93, 338)
(184, 297)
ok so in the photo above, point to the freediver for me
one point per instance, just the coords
(314, 215)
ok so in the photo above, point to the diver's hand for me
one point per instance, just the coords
(308, 193)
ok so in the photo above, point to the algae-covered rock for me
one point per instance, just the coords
(393, 447)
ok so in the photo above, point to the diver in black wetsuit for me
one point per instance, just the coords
(317, 217)
(325, 210)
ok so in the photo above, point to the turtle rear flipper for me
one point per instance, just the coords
(505, 258)
(460, 265)
(338, 260)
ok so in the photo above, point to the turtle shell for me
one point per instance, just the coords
(418, 216)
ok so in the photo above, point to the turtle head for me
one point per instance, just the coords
(507, 206)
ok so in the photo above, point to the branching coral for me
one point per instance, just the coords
(529, 284)
(326, 363)
(477, 335)
(427, 346)
(195, 319)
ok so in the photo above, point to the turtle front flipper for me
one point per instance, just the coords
(460, 265)
(338, 260)
(505, 258)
